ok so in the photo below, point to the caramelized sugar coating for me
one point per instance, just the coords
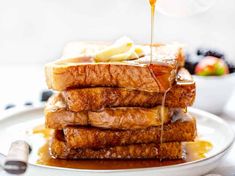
(59, 149)
(183, 129)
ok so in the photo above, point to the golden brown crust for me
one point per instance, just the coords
(59, 149)
(57, 116)
(109, 75)
(128, 74)
(129, 118)
(180, 96)
(82, 137)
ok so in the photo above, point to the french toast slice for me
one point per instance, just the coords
(60, 150)
(57, 116)
(183, 129)
(83, 71)
(181, 95)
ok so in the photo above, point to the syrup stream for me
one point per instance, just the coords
(162, 115)
(152, 4)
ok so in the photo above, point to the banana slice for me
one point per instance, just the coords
(122, 49)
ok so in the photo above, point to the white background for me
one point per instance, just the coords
(34, 31)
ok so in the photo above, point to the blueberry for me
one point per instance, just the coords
(190, 67)
(30, 149)
(231, 66)
(46, 95)
(191, 62)
(215, 54)
(210, 52)
(200, 51)
(9, 106)
(28, 103)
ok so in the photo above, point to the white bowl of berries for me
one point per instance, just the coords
(214, 77)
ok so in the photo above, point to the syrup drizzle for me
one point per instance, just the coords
(162, 115)
(41, 129)
(152, 4)
(194, 151)
(44, 158)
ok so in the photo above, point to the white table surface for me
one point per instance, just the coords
(23, 83)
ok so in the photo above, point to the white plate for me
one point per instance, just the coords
(210, 127)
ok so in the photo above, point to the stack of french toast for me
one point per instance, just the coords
(112, 103)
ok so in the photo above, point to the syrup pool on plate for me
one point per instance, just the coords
(193, 150)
